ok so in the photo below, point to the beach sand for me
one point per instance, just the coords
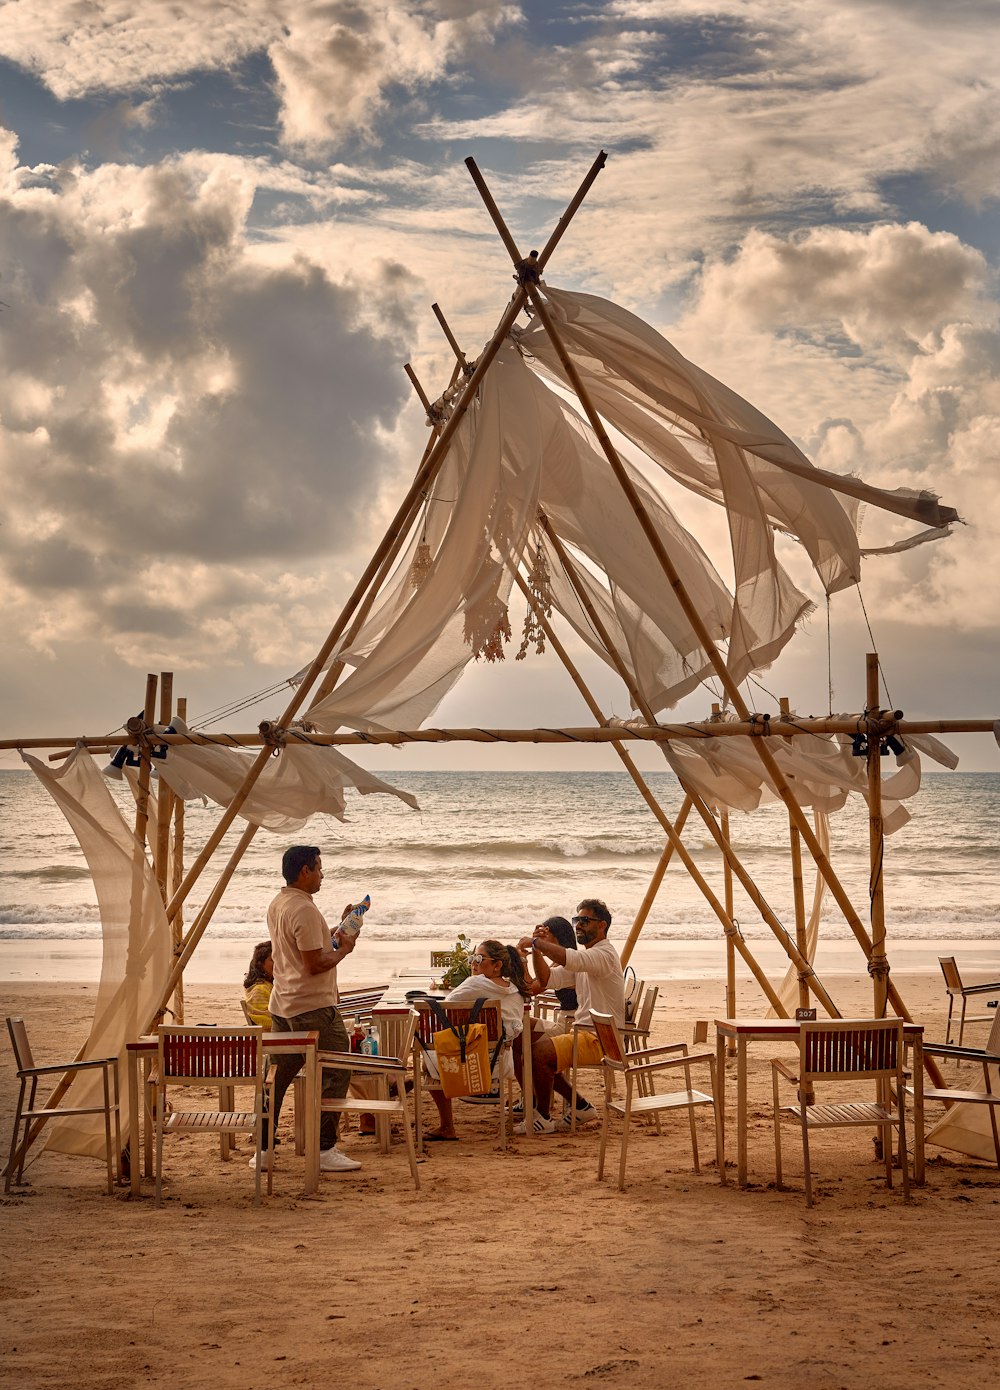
(504, 1267)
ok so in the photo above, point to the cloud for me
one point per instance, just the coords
(164, 394)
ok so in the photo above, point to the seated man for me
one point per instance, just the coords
(595, 971)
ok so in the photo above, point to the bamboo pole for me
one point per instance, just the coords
(727, 885)
(754, 893)
(164, 794)
(423, 479)
(756, 727)
(176, 876)
(662, 864)
(879, 966)
(798, 889)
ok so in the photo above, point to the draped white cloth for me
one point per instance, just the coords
(301, 781)
(137, 957)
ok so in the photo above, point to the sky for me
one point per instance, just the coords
(222, 226)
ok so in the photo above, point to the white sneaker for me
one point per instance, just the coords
(336, 1161)
(268, 1157)
(583, 1114)
(541, 1125)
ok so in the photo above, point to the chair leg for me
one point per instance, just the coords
(694, 1128)
(947, 1031)
(160, 1107)
(720, 1148)
(904, 1160)
(605, 1125)
(572, 1102)
(961, 1021)
(411, 1149)
(776, 1108)
(996, 1137)
(885, 1135)
(118, 1125)
(227, 1101)
(805, 1157)
(627, 1123)
(13, 1140)
(258, 1135)
(107, 1132)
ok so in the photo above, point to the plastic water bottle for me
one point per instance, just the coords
(351, 924)
(369, 1046)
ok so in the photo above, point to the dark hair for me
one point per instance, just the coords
(596, 909)
(566, 936)
(511, 965)
(297, 858)
(256, 972)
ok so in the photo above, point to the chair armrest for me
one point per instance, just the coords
(662, 1050)
(777, 1065)
(662, 1063)
(359, 1061)
(961, 1054)
(68, 1066)
(991, 987)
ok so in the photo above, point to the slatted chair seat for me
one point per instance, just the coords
(210, 1058)
(839, 1050)
(639, 1070)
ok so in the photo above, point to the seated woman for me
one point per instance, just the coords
(497, 973)
(566, 936)
(257, 985)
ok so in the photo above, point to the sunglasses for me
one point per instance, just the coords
(478, 960)
(578, 921)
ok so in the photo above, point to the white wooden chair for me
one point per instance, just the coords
(390, 1075)
(29, 1075)
(956, 990)
(853, 1050)
(642, 1066)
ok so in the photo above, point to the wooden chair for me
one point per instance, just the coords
(210, 1057)
(843, 1049)
(423, 1041)
(440, 960)
(641, 1066)
(635, 1035)
(28, 1075)
(987, 1057)
(390, 1072)
(956, 990)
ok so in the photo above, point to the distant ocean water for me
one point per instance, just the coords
(496, 853)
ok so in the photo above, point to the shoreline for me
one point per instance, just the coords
(39, 960)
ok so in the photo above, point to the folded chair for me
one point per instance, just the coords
(853, 1050)
(987, 1057)
(28, 1075)
(956, 990)
(640, 1068)
(223, 1058)
(390, 1074)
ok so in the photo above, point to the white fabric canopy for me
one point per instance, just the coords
(136, 961)
(301, 781)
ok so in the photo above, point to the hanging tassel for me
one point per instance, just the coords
(487, 628)
(420, 566)
(540, 589)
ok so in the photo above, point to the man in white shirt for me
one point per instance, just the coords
(595, 972)
(304, 995)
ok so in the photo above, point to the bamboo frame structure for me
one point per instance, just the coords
(323, 673)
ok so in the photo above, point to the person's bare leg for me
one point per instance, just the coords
(446, 1117)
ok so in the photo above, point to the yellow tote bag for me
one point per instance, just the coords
(463, 1054)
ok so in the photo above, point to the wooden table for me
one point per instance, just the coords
(144, 1049)
(746, 1030)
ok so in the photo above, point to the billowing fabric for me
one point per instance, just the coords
(301, 781)
(137, 959)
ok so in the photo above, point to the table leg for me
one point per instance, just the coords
(147, 1119)
(918, 1112)
(311, 1136)
(720, 1081)
(133, 1123)
(527, 1079)
(741, 1111)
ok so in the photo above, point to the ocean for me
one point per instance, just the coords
(493, 853)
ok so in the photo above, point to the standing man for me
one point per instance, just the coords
(595, 971)
(304, 996)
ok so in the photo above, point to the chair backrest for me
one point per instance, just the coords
(440, 959)
(427, 1024)
(610, 1039)
(993, 1041)
(247, 1014)
(949, 969)
(209, 1054)
(851, 1047)
(645, 1015)
(19, 1042)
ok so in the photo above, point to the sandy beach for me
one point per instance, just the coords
(503, 1266)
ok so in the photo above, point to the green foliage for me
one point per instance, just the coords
(459, 966)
